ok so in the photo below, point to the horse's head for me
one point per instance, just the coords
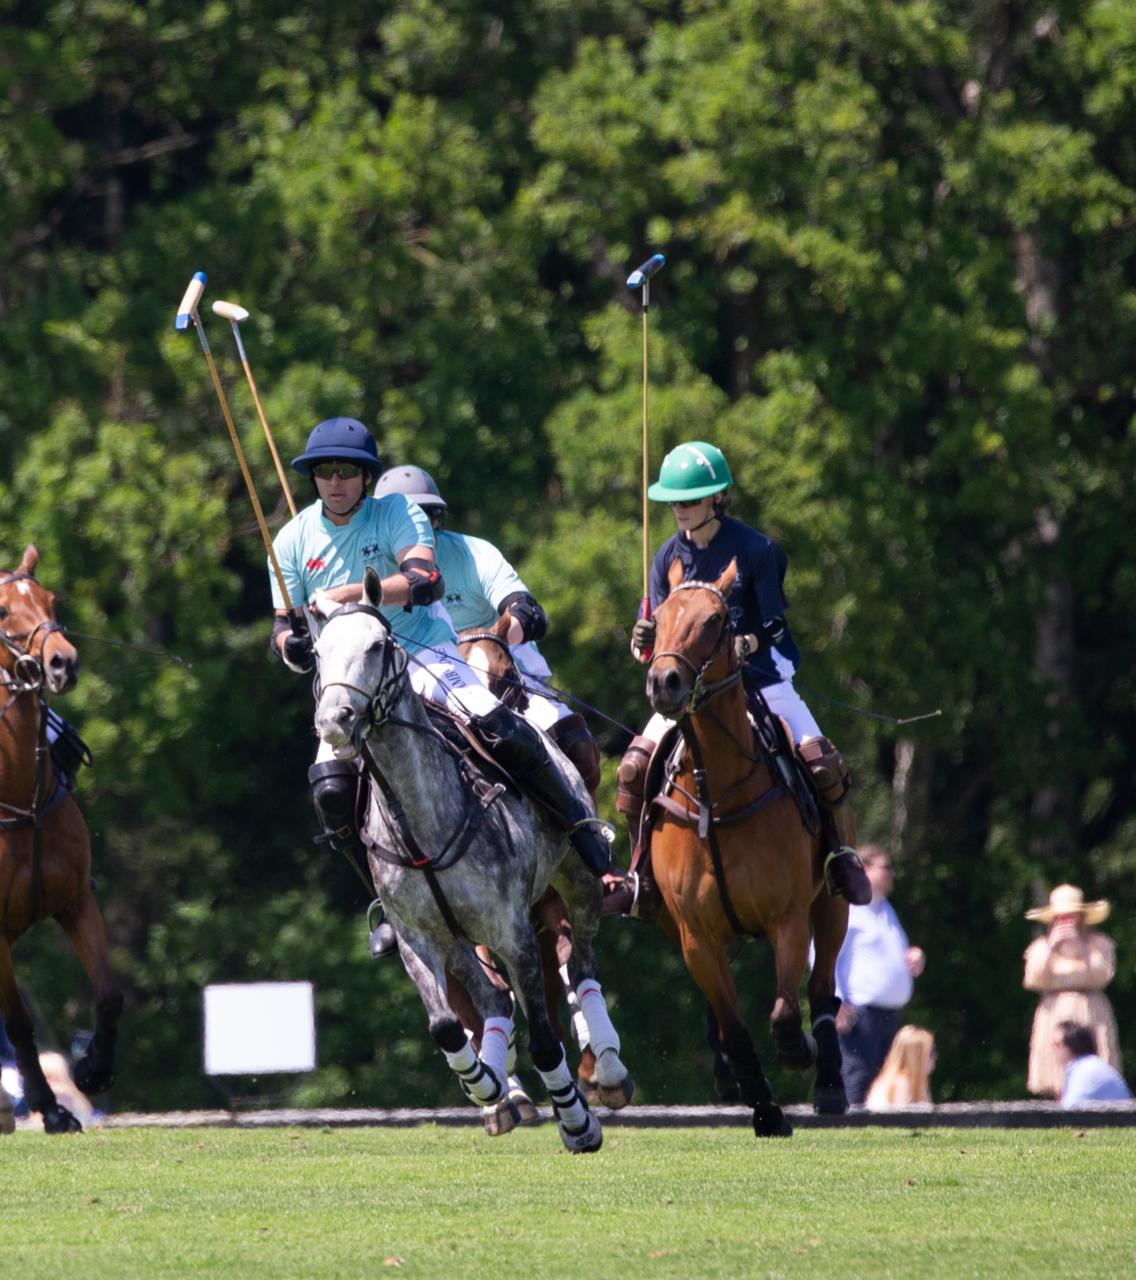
(692, 640)
(360, 670)
(487, 651)
(33, 649)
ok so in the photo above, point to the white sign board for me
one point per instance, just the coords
(253, 1028)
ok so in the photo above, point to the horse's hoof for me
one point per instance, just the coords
(588, 1090)
(614, 1085)
(771, 1122)
(726, 1087)
(527, 1110)
(617, 1095)
(801, 1055)
(58, 1119)
(503, 1118)
(92, 1079)
(829, 1100)
(589, 1137)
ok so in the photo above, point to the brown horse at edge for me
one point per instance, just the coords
(45, 848)
(771, 866)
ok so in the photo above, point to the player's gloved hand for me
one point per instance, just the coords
(298, 653)
(744, 646)
(643, 638)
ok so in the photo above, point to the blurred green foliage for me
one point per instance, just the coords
(900, 293)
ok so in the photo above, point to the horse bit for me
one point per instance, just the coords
(27, 670)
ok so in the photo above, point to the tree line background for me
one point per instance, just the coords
(899, 294)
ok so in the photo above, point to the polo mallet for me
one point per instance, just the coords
(235, 314)
(186, 312)
(640, 278)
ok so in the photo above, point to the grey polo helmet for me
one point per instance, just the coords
(416, 484)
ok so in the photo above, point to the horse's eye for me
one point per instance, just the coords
(376, 646)
(3, 612)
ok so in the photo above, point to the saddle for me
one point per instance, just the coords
(772, 744)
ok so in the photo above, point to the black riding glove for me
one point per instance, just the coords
(298, 653)
(643, 638)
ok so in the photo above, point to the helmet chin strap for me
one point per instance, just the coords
(715, 514)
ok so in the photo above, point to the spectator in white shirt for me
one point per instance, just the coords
(875, 975)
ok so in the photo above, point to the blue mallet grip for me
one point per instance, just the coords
(642, 273)
(190, 300)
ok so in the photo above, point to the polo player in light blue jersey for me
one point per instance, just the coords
(481, 587)
(327, 547)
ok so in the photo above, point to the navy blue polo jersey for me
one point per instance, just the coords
(757, 596)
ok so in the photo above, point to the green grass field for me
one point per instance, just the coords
(443, 1202)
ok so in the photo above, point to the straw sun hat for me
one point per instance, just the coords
(1068, 900)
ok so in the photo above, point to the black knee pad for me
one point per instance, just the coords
(335, 790)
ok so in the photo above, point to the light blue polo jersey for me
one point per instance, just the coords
(313, 553)
(478, 578)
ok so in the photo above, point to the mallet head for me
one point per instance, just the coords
(190, 299)
(642, 273)
(230, 311)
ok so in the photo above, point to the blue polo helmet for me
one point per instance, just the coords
(339, 439)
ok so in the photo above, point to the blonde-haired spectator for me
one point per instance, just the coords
(1070, 965)
(904, 1079)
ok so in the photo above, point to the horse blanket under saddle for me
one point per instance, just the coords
(772, 744)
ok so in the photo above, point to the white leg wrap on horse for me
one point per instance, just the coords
(481, 1085)
(571, 1110)
(579, 1022)
(601, 1034)
(495, 1039)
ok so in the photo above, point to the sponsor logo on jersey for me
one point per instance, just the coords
(371, 550)
(315, 564)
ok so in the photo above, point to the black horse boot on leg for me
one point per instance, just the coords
(844, 874)
(635, 894)
(335, 790)
(518, 748)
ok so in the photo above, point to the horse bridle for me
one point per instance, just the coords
(27, 669)
(380, 703)
(703, 691)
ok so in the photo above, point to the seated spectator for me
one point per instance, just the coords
(903, 1079)
(1088, 1078)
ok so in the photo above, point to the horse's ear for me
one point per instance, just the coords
(30, 560)
(675, 573)
(372, 587)
(726, 582)
(502, 625)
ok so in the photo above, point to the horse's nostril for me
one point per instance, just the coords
(672, 680)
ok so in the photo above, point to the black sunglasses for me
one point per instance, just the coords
(686, 502)
(344, 470)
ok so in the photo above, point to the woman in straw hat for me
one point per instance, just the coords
(1070, 965)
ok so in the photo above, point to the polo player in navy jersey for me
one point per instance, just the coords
(694, 478)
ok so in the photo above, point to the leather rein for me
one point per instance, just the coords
(477, 801)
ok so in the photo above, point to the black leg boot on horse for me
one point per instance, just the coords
(336, 789)
(518, 748)
(634, 894)
(844, 874)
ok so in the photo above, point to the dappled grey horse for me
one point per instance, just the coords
(458, 864)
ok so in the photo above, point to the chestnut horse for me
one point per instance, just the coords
(45, 850)
(488, 652)
(731, 854)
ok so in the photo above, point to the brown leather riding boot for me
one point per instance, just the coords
(844, 874)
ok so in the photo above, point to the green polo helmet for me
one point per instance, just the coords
(690, 471)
